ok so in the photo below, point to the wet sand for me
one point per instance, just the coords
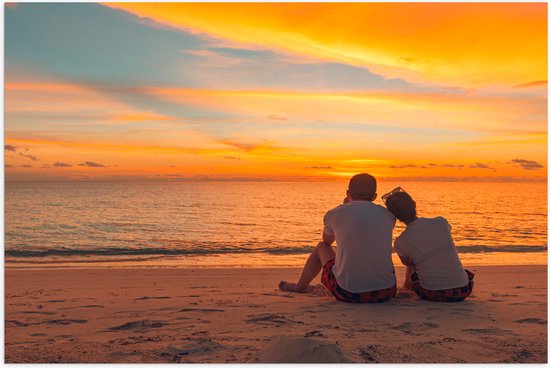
(234, 315)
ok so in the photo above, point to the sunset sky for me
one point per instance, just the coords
(318, 91)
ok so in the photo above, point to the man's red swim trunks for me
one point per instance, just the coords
(328, 279)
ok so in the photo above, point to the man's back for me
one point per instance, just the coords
(363, 232)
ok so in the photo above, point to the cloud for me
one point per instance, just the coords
(11, 148)
(450, 165)
(402, 166)
(319, 167)
(61, 164)
(432, 164)
(541, 83)
(91, 164)
(479, 165)
(34, 158)
(7, 166)
(276, 117)
(241, 146)
(26, 165)
(435, 52)
(527, 164)
(231, 158)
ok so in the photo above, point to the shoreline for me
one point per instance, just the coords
(230, 315)
(245, 260)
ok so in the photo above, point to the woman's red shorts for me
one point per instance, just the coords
(448, 295)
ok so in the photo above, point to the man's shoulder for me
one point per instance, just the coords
(363, 209)
(333, 211)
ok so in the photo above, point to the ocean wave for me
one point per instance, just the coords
(107, 252)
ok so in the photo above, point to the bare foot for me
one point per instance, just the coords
(291, 286)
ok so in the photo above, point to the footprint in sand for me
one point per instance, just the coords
(137, 325)
(46, 322)
(269, 319)
(487, 331)
(13, 322)
(409, 327)
(153, 297)
(532, 320)
(62, 321)
(201, 310)
(314, 333)
(83, 306)
(504, 295)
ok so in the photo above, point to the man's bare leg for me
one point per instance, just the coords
(320, 255)
(407, 283)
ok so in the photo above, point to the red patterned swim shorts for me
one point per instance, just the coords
(448, 295)
(328, 279)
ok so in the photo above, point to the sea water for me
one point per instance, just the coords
(246, 223)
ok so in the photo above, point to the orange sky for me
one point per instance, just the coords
(276, 90)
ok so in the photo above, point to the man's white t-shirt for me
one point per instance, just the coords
(363, 232)
(428, 243)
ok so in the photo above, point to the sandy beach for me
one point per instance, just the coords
(218, 315)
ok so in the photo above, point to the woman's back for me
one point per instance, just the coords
(428, 243)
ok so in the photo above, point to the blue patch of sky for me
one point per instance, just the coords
(116, 53)
(91, 43)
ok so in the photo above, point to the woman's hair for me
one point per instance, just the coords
(402, 206)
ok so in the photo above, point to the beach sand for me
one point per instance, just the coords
(237, 315)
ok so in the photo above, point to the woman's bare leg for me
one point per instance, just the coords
(320, 255)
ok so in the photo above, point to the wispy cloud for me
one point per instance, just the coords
(30, 157)
(405, 166)
(527, 164)
(541, 83)
(479, 165)
(61, 164)
(446, 56)
(91, 164)
(276, 117)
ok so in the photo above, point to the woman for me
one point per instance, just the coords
(426, 247)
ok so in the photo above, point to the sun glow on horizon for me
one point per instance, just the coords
(211, 91)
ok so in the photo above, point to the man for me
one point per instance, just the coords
(361, 269)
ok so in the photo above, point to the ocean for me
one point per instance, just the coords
(244, 224)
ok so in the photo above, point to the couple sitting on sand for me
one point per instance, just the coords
(361, 270)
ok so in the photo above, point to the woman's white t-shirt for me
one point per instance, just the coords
(363, 232)
(428, 243)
